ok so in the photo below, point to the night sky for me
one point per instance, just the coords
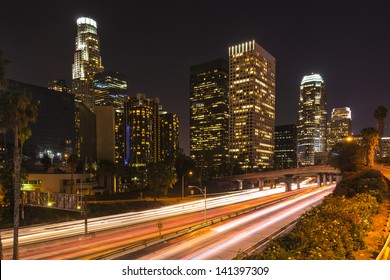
(154, 43)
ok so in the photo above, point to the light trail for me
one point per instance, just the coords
(67, 229)
(225, 241)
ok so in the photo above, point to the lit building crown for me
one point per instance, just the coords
(312, 78)
(86, 20)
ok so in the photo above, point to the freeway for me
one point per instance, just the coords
(240, 235)
(116, 231)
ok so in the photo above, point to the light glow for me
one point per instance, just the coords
(86, 20)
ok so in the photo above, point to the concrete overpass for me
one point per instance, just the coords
(325, 175)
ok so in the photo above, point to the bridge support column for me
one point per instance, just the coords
(318, 180)
(240, 184)
(298, 183)
(252, 185)
(288, 182)
(272, 184)
(330, 179)
(261, 184)
(325, 177)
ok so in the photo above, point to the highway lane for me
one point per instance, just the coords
(33, 234)
(136, 226)
(225, 241)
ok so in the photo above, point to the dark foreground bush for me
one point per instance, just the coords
(364, 181)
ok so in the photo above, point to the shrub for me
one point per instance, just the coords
(364, 181)
(333, 230)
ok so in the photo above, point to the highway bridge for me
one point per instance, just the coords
(325, 175)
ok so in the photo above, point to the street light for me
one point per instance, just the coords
(205, 196)
(182, 184)
(66, 159)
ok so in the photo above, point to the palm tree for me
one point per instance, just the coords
(380, 115)
(106, 171)
(3, 64)
(72, 161)
(17, 110)
(3, 82)
(370, 142)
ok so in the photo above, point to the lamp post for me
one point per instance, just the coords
(205, 197)
(182, 184)
(66, 160)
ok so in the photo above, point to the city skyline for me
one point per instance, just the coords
(342, 43)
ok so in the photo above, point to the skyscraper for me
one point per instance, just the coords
(142, 130)
(87, 61)
(209, 113)
(57, 85)
(285, 146)
(339, 126)
(251, 106)
(111, 90)
(169, 130)
(312, 121)
(53, 133)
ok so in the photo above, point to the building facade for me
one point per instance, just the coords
(105, 133)
(58, 85)
(142, 130)
(312, 119)
(251, 106)
(169, 139)
(285, 146)
(85, 126)
(385, 146)
(53, 134)
(87, 61)
(339, 126)
(111, 90)
(209, 114)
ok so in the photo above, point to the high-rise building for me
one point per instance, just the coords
(58, 85)
(339, 126)
(169, 139)
(312, 119)
(385, 146)
(209, 114)
(87, 61)
(285, 146)
(53, 134)
(105, 133)
(85, 125)
(111, 90)
(251, 106)
(142, 130)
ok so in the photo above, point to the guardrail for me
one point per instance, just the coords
(385, 252)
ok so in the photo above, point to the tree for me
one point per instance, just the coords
(3, 76)
(3, 82)
(106, 170)
(346, 156)
(17, 110)
(72, 162)
(380, 114)
(160, 178)
(46, 161)
(370, 143)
